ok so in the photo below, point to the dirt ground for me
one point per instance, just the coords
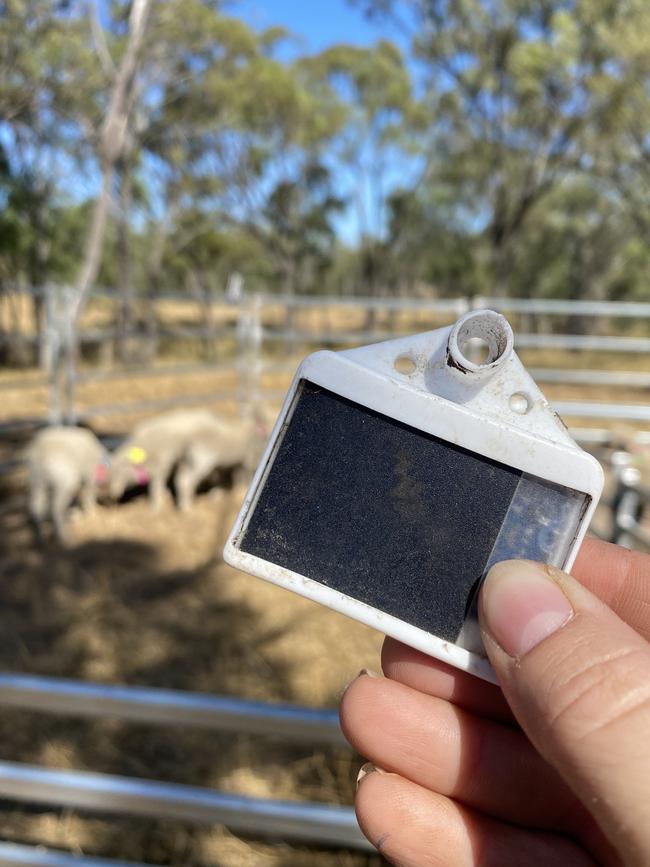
(139, 598)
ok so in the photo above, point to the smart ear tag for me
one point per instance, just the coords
(398, 473)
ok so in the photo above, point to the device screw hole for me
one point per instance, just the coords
(405, 365)
(520, 403)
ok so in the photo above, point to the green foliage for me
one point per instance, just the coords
(381, 123)
(508, 150)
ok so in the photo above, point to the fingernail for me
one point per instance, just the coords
(364, 672)
(367, 769)
(521, 605)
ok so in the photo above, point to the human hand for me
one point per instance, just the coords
(552, 770)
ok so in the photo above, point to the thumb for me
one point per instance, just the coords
(578, 680)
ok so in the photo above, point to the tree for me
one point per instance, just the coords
(572, 245)
(428, 243)
(196, 57)
(513, 90)
(237, 138)
(620, 142)
(46, 74)
(383, 123)
(296, 227)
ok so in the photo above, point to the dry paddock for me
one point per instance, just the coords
(143, 599)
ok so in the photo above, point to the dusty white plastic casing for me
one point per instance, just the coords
(493, 409)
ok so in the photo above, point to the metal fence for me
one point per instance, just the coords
(251, 335)
(305, 822)
(249, 331)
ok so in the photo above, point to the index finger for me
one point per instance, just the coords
(619, 577)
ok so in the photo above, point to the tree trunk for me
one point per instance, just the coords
(157, 251)
(127, 299)
(369, 282)
(200, 289)
(289, 290)
(94, 242)
(38, 271)
(112, 142)
(155, 263)
(501, 266)
(578, 323)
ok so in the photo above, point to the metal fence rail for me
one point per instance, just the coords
(169, 707)
(247, 325)
(548, 306)
(309, 823)
(588, 409)
(18, 855)
(590, 436)
(522, 341)
(564, 376)
(566, 307)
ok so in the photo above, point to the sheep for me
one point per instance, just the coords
(151, 452)
(63, 463)
(186, 445)
(223, 444)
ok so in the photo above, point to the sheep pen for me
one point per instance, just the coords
(144, 599)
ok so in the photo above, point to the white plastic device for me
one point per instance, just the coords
(492, 438)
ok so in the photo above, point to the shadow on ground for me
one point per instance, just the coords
(113, 609)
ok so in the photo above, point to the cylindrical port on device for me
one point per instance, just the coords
(487, 326)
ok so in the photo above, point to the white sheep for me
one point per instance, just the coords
(64, 463)
(186, 445)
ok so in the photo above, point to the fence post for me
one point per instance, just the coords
(40, 301)
(250, 335)
(290, 312)
(627, 515)
(52, 352)
(70, 351)
(60, 350)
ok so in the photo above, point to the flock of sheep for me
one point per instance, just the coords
(67, 464)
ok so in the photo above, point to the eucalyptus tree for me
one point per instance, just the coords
(513, 89)
(235, 145)
(621, 129)
(48, 80)
(111, 139)
(381, 136)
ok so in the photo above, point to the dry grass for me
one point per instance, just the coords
(145, 599)
(127, 391)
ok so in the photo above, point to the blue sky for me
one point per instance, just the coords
(316, 22)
